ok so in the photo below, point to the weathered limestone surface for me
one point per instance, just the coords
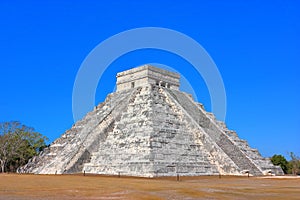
(146, 75)
(149, 130)
(68, 153)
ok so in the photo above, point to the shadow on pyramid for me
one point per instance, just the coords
(148, 128)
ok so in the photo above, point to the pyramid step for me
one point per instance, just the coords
(221, 139)
(149, 128)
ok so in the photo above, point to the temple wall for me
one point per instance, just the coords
(146, 75)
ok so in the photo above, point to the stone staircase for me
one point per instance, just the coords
(148, 128)
(151, 140)
(149, 131)
(176, 148)
(221, 139)
(68, 153)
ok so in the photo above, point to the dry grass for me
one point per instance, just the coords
(14, 186)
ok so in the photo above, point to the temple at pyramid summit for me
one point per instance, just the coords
(148, 128)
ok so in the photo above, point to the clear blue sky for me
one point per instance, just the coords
(255, 45)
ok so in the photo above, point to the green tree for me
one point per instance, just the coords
(280, 160)
(18, 143)
(294, 164)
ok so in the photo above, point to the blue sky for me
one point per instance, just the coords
(255, 45)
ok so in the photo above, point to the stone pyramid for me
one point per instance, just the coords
(149, 128)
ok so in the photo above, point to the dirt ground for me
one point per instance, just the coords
(15, 186)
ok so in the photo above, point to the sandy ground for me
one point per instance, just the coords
(14, 186)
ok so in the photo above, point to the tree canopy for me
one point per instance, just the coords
(18, 143)
(294, 164)
(288, 167)
(280, 160)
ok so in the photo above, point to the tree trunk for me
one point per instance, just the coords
(2, 162)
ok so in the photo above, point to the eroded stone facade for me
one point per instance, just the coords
(150, 130)
(147, 75)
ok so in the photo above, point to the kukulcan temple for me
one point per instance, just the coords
(149, 128)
